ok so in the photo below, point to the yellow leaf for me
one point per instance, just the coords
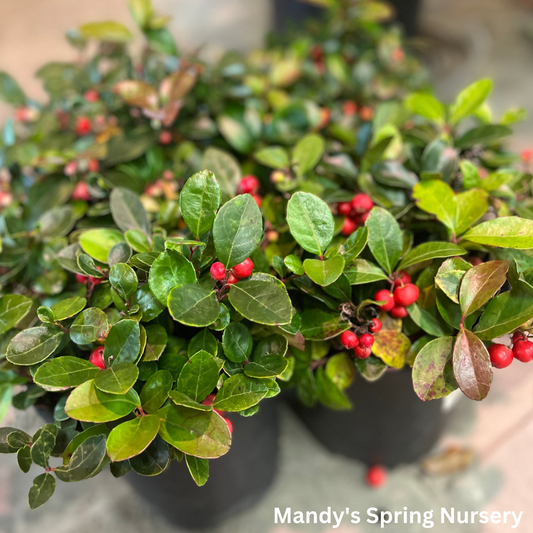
(391, 347)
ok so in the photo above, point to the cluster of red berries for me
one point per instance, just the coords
(355, 212)
(84, 280)
(250, 185)
(232, 275)
(502, 357)
(362, 346)
(209, 401)
(405, 294)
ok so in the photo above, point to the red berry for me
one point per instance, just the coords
(218, 271)
(232, 280)
(376, 476)
(362, 352)
(93, 166)
(361, 219)
(81, 191)
(209, 400)
(258, 199)
(349, 108)
(527, 156)
(518, 335)
(366, 340)
(387, 297)
(376, 325)
(344, 208)
(406, 295)
(500, 355)
(399, 311)
(366, 113)
(83, 126)
(348, 227)
(244, 269)
(402, 278)
(95, 281)
(165, 137)
(349, 340)
(81, 278)
(91, 96)
(523, 351)
(230, 425)
(249, 184)
(97, 357)
(362, 203)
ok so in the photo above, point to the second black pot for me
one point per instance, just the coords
(388, 425)
(236, 481)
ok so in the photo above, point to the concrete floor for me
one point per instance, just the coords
(466, 40)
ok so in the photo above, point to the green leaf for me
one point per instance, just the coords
(198, 377)
(483, 135)
(87, 266)
(430, 250)
(450, 275)
(182, 399)
(268, 366)
(24, 459)
(161, 41)
(199, 201)
(141, 11)
(432, 371)
(430, 322)
(340, 369)
(123, 343)
(80, 438)
(33, 345)
(329, 393)
(109, 31)
(43, 444)
(507, 232)
(6, 397)
(294, 264)
(371, 368)
(124, 280)
(199, 469)
(98, 242)
(170, 270)
(89, 326)
(239, 392)
(471, 365)
(64, 373)
(362, 271)
(155, 390)
(204, 340)
(324, 272)
(68, 308)
(307, 153)
(237, 230)
(354, 245)
(425, 105)
(384, 238)
(504, 314)
(13, 308)
(135, 239)
(310, 222)
(198, 433)
(262, 299)
(470, 99)
(154, 460)
(156, 341)
(237, 342)
(132, 438)
(88, 404)
(225, 168)
(273, 157)
(87, 460)
(480, 284)
(118, 379)
(12, 439)
(318, 325)
(42, 490)
(10, 91)
(194, 305)
(148, 303)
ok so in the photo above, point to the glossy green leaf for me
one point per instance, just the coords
(43, 444)
(170, 270)
(199, 469)
(237, 230)
(307, 153)
(98, 242)
(182, 399)
(89, 326)
(150, 306)
(310, 221)
(154, 460)
(155, 390)
(384, 238)
(87, 460)
(471, 365)
(354, 245)
(470, 99)
(273, 157)
(262, 299)
(318, 325)
(362, 271)
(42, 490)
(430, 322)
(88, 404)
(24, 459)
(329, 393)
(118, 379)
(198, 377)
(450, 275)
(507, 232)
(156, 341)
(324, 272)
(68, 308)
(225, 168)
(294, 264)
(237, 342)
(33, 345)
(483, 135)
(128, 211)
(64, 373)
(123, 343)
(204, 340)
(426, 105)
(239, 392)
(268, 366)
(124, 280)
(198, 433)
(199, 201)
(136, 240)
(132, 438)
(428, 251)
(13, 308)
(194, 305)
(480, 284)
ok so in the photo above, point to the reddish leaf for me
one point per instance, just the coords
(480, 284)
(471, 365)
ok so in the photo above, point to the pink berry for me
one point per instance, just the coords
(81, 191)
(91, 96)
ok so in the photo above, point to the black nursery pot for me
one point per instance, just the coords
(236, 481)
(388, 425)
